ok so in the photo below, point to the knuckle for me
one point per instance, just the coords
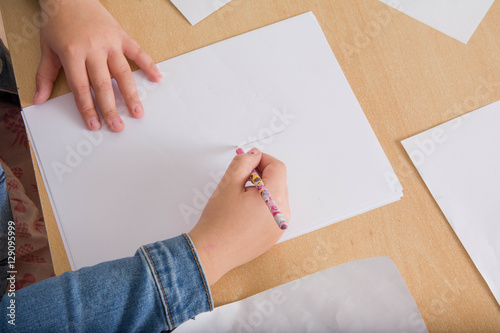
(242, 159)
(40, 77)
(139, 52)
(237, 166)
(71, 50)
(131, 97)
(109, 112)
(103, 85)
(123, 71)
(278, 166)
(130, 43)
(87, 111)
(142, 55)
(81, 90)
(150, 63)
(129, 93)
(96, 43)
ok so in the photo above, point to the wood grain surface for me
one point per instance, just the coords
(407, 77)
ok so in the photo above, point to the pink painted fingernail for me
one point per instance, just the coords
(253, 151)
(138, 110)
(117, 124)
(94, 124)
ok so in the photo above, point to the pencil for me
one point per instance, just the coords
(273, 207)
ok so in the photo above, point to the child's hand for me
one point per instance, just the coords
(236, 226)
(85, 39)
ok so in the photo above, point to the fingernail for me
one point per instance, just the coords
(253, 151)
(94, 124)
(138, 110)
(159, 75)
(117, 124)
(36, 94)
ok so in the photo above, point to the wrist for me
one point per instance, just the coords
(213, 263)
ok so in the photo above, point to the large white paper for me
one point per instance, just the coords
(367, 295)
(112, 193)
(460, 164)
(196, 10)
(456, 18)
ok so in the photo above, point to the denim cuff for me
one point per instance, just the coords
(179, 277)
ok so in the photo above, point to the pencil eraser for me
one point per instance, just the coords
(283, 226)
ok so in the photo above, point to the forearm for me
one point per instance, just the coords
(160, 287)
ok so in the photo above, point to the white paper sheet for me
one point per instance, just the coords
(460, 164)
(196, 10)
(456, 18)
(112, 193)
(367, 295)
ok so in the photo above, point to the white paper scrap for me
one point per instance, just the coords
(196, 10)
(367, 295)
(459, 162)
(456, 18)
(279, 87)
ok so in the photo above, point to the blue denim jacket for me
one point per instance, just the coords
(156, 290)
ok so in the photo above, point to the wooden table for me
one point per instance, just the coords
(407, 77)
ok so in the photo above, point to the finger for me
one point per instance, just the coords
(100, 80)
(134, 52)
(120, 69)
(239, 170)
(273, 175)
(46, 75)
(78, 81)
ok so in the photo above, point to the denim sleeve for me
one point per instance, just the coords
(159, 288)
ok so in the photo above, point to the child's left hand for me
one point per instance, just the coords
(86, 40)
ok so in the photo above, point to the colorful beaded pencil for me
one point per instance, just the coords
(273, 207)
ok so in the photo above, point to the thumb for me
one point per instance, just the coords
(45, 76)
(239, 170)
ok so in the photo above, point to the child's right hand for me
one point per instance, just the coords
(236, 226)
(85, 39)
